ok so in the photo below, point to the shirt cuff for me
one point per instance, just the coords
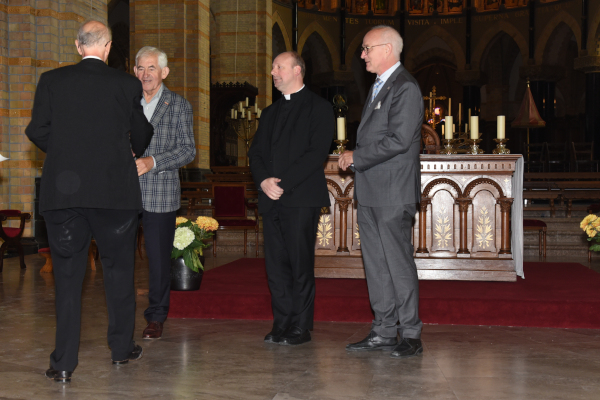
(153, 159)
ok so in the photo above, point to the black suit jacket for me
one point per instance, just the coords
(88, 118)
(299, 164)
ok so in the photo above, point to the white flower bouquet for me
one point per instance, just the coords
(189, 236)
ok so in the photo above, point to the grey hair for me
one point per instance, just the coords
(391, 35)
(152, 51)
(97, 36)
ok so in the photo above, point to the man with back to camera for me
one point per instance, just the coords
(286, 160)
(388, 189)
(88, 119)
(172, 147)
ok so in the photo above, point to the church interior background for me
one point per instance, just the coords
(480, 53)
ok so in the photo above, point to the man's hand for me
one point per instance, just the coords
(271, 188)
(346, 159)
(144, 165)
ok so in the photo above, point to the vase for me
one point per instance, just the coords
(183, 278)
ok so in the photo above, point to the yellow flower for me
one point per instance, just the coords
(589, 218)
(180, 220)
(207, 223)
(591, 232)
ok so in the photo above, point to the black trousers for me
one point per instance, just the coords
(159, 232)
(290, 235)
(69, 234)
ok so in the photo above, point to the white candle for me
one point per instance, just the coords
(240, 107)
(466, 128)
(474, 127)
(448, 127)
(453, 128)
(341, 128)
(259, 112)
(501, 126)
(232, 110)
(235, 115)
(249, 115)
(246, 102)
(255, 107)
(243, 114)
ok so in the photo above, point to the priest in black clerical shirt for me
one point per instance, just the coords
(286, 159)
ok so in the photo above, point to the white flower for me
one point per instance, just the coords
(183, 237)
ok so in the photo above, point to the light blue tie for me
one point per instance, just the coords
(376, 87)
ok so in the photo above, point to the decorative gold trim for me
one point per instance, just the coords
(442, 229)
(324, 231)
(484, 229)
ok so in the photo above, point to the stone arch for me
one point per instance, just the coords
(354, 44)
(593, 33)
(490, 35)
(286, 37)
(560, 17)
(443, 34)
(316, 27)
(484, 181)
(428, 192)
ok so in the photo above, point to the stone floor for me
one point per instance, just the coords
(225, 359)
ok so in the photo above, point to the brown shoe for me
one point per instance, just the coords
(153, 330)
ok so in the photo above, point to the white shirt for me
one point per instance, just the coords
(384, 77)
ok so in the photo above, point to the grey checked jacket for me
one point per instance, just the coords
(172, 147)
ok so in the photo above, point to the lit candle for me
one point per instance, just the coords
(448, 130)
(449, 106)
(341, 128)
(246, 102)
(474, 127)
(437, 111)
(501, 126)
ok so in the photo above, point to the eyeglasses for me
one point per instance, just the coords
(368, 48)
(107, 43)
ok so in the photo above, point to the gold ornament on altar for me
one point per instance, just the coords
(433, 115)
(340, 109)
(244, 121)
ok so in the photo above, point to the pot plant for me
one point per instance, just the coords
(187, 256)
(591, 226)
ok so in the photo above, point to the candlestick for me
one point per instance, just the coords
(340, 148)
(341, 128)
(474, 127)
(501, 146)
(474, 146)
(448, 127)
(448, 146)
(501, 126)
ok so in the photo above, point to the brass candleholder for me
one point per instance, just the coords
(474, 146)
(340, 148)
(501, 147)
(448, 147)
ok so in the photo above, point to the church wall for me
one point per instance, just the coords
(36, 36)
(181, 29)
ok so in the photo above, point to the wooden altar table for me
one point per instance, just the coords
(461, 232)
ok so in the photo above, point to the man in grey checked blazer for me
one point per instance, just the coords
(172, 147)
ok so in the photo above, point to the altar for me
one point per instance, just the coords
(462, 230)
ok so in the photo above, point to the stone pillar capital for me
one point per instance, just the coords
(469, 77)
(548, 73)
(587, 64)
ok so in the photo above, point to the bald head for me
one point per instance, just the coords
(93, 39)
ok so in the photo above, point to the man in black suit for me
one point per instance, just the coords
(88, 119)
(286, 159)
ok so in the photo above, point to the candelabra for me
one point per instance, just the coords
(501, 147)
(243, 124)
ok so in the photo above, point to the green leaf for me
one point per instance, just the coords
(188, 259)
(595, 247)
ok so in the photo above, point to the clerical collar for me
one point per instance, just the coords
(289, 96)
(97, 58)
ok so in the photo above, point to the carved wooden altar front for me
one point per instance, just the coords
(461, 232)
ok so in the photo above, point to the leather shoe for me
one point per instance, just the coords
(59, 376)
(275, 335)
(408, 348)
(153, 330)
(294, 336)
(373, 342)
(135, 354)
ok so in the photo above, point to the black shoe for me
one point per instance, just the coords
(59, 376)
(373, 342)
(408, 348)
(274, 336)
(294, 336)
(135, 354)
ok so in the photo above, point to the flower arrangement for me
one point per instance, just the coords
(189, 236)
(591, 226)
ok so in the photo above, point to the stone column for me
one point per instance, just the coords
(422, 249)
(242, 48)
(463, 209)
(591, 66)
(34, 37)
(181, 29)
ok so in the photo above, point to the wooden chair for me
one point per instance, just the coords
(12, 236)
(230, 208)
(582, 157)
(540, 226)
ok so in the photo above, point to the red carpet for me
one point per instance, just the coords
(559, 295)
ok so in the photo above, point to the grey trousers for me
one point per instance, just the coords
(390, 269)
